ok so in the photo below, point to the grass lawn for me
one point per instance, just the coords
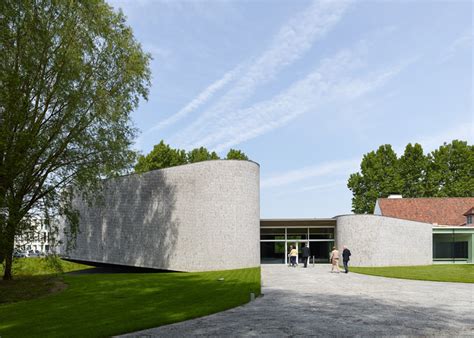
(109, 304)
(460, 273)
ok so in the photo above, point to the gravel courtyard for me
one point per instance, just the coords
(313, 301)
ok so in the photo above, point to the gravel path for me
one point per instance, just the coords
(312, 301)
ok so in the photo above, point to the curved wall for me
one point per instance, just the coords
(196, 217)
(385, 241)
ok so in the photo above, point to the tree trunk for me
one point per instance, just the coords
(10, 243)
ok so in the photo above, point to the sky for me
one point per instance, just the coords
(304, 88)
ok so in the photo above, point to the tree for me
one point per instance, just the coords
(451, 170)
(235, 154)
(413, 169)
(379, 177)
(201, 154)
(445, 172)
(162, 156)
(71, 73)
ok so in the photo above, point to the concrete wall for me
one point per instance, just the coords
(385, 241)
(196, 217)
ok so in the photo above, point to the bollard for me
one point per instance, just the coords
(252, 296)
(313, 261)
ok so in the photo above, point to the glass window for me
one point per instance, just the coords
(450, 247)
(272, 233)
(321, 233)
(297, 233)
(272, 252)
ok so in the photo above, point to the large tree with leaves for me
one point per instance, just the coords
(164, 156)
(450, 170)
(71, 72)
(446, 172)
(161, 156)
(379, 176)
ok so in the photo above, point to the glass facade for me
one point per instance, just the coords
(453, 245)
(275, 243)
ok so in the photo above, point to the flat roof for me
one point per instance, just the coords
(297, 221)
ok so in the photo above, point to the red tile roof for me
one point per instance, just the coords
(441, 210)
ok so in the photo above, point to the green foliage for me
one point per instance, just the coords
(235, 154)
(71, 73)
(49, 265)
(163, 156)
(446, 172)
(201, 154)
(413, 168)
(105, 305)
(451, 170)
(439, 272)
(379, 176)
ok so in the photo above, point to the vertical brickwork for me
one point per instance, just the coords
(385, 241)
(197, 217)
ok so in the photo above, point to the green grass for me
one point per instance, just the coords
(461, 273)
(100, 305)
(36, 266)
(36, 277)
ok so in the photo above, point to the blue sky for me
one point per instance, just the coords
(305, 88)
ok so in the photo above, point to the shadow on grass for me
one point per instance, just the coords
(108, 304)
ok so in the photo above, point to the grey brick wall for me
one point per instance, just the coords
(197, 217)
(385, 241)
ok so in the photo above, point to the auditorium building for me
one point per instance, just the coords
(206, 216)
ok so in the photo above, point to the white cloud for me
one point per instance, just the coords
(464, 41)
(291, 42)
(347, 167)
(330, 82)
(320, 170)
(462, 131)
(202, 98)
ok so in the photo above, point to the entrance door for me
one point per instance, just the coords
(320, 251)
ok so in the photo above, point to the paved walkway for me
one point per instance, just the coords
(313, 301)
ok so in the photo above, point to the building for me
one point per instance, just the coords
(40, 238)
(374, 240)
(451, 219)
(195, 217)
(206, 216)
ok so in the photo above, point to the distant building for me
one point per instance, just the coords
(39, 239)
(451, 218)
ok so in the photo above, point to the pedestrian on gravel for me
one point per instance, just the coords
(346, 253)
(293, 255)
(305, 252)
(334, 260)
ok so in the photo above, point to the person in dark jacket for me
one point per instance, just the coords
(305, 254)
(346, 253)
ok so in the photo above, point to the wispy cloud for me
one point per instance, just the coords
(346, 167)
(290, 43)
(463, 131)
(330, 82)
(198, 101)
(330, 186)
(319, 170)
(464, 41)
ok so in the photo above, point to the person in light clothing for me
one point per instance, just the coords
(293, 254)
(334, 260)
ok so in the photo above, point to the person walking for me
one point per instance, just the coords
(335, 260)
(346, 253)
(293, 255)
(305, 252)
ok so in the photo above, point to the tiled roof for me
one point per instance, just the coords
(469, 212)
(440, 210)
